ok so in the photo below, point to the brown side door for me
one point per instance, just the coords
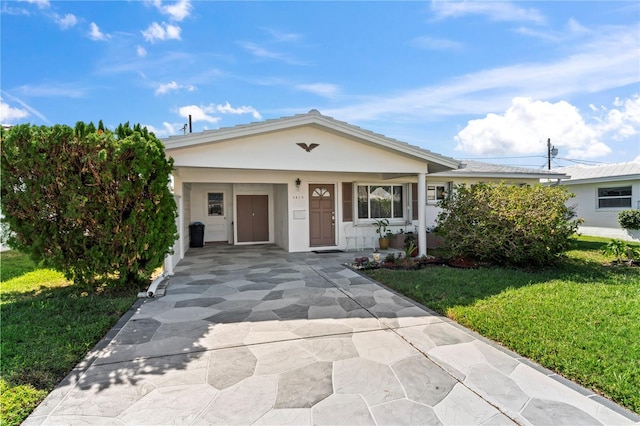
(322, 218)
(253, 218)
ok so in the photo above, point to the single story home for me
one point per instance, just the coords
(308, 182)
(602, 191)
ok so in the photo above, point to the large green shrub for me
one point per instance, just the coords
(507, 225)
(629, 219)
(88, 202)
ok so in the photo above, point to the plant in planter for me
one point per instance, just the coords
(389, 260)
(409, 250)
(381, 230)
(396, 240)
(410, 241)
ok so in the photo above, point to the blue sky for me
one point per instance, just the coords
(471, 79)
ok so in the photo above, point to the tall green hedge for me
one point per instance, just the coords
(506, 224)
(89, 202)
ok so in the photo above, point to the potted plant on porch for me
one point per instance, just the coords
(381, 230)
(411, 244)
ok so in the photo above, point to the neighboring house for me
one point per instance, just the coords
(306, 182)
(469, 172)
(602, 191)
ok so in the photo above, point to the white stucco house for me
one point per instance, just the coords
(602, 191)
(307, 182)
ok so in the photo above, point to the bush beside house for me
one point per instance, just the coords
(91, 203)
(506, 224)
(629, 219)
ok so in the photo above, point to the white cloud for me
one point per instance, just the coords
(199, 113)
(67, 21)
(141, 51)
(436, 43)
(161, 32)
(172, 85)
(176, 11)
(96, 34)
(326, 90)
(262, 52)
(53, 90)
(607, 60)
(228, 109)
(526, 125)
(206, 112)
(167, 129)
(42, 4)
(25, 106)
(494, 10)
(283, 37)
(9, 114)
(621, 122)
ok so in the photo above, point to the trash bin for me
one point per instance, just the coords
(196, 234)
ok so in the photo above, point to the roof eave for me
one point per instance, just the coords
(494, 175)
(602, 179)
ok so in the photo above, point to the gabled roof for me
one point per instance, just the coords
(609, 172)
(470, 168)
(437, 162)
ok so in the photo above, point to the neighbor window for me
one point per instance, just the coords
(436, 192)
(619, 196)
(216, 204)
(381, 201)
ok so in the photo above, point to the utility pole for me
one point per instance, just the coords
(551, 152)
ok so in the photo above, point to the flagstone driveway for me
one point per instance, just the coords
(255, 335)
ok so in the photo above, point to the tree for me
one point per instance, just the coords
(506, 224)
(90, 203)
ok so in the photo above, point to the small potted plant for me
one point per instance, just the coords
(411, 242)
(381, 230)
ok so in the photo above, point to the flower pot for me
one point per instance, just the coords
(383, 243)
(397, 241)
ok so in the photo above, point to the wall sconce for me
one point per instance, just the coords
(298, 182)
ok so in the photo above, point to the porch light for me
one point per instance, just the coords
(298, 182)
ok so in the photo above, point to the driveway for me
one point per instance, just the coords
(255, 335)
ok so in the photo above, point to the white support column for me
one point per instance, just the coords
(422, 214)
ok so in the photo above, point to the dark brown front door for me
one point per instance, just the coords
(253, 218)
(322, 218)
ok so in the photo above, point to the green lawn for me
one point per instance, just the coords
(579, 318)
(48, 326)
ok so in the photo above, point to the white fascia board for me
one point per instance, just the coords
(602, 179)
(499, 175)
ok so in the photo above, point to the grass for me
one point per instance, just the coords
(48, 326)
(580, 318)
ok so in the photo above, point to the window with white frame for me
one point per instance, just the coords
(436, 192)
(381, 201)
(619, 196)
(215, 205)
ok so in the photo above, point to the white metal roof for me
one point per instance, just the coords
(601, 172)
(470, 168)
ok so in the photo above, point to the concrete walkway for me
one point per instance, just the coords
(255, 335)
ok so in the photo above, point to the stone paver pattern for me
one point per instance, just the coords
(256, 335)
